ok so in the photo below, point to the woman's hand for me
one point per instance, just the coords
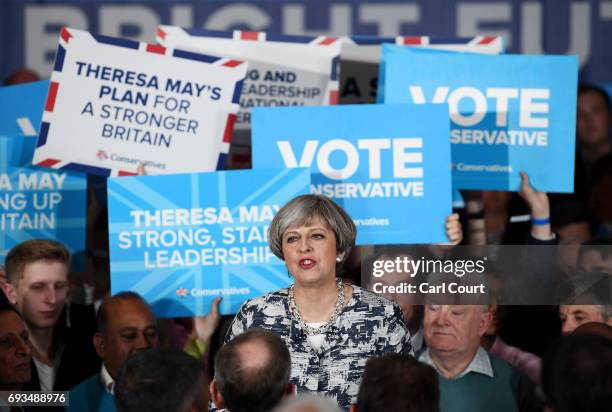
(454, 233)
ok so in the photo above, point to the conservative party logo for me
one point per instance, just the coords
(101, 155)
(196, 292)
(182, 292)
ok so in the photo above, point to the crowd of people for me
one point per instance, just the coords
(327, 343)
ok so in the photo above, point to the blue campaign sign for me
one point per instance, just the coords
(21, 108)
(508, 113)
(182, 240)
(360, 59)
(387, 165)
(16, 150)
(38, 203)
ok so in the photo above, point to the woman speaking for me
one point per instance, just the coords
(330, 328)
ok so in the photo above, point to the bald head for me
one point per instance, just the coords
(308, 402)
(126, 326)
(252, 372)
(254, 355)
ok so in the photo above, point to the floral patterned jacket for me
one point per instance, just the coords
(368, 326)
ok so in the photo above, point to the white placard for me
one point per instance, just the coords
(114, 104)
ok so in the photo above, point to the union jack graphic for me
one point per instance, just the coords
(163, 32)
(495, 42)
(102, 155)
(70, 35)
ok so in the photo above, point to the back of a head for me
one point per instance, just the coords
(20, 76)
(400, 384)
(253, 371)
(164, 380)
(308, 402)
(595, 328)
(577, 374)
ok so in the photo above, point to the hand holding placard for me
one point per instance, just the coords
(508, 112)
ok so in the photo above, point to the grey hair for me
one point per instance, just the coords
(302, 210)
(308, 402)
(606, 312)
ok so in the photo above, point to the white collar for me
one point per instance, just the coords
(481, 363)
(107, 381)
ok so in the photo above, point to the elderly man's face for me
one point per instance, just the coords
(455, 328)
(573, 316)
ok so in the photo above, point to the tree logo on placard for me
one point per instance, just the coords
(181, 292)
(101, 155)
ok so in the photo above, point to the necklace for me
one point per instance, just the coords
(332, 319)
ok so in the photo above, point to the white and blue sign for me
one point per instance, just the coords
(21, 108)
(182, 240)
(284, 70)
(508, 113)
(387, 165)
(38, 203)
(115, 103)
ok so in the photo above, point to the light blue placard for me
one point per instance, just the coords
(509, 113)
(21, 108)
(182, 240)
(387, 165)
(38, 203)
(458, 201)
(380, 90)
(16, 150)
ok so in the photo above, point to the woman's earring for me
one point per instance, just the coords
(339, 259)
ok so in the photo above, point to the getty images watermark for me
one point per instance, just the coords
(405, 275)
(500, 274)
